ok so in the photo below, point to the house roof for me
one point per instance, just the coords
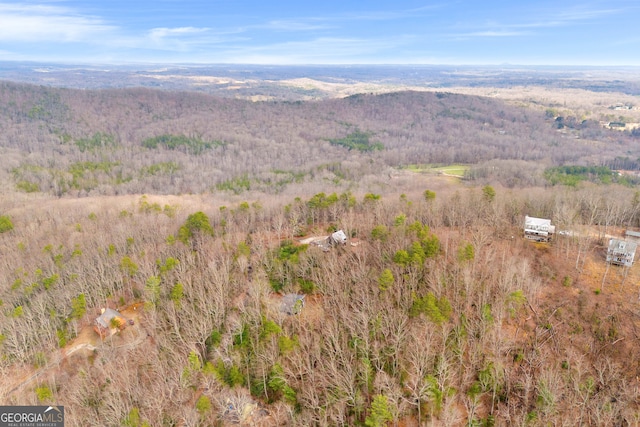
(339, 236)
(632, 233)
(292, 303)
(104, 320)
(622, 245)
(530, 220)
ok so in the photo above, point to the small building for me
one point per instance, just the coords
(337, 238)
(621, 252)
(326, 243)
(538, 229)
(621, 125)
(110, 322)
(292, 304)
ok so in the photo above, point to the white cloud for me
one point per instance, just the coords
(183, 39)
(74, 31)
(50, 30)
(317, 51)
(389, 15)
(32, 23)
(329, 20)
(561, 18)
(160, 33)
(537, 20)
(584, 14)
(293, 25)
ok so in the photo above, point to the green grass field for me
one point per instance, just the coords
(457, 170)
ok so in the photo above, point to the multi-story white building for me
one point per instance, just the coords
(621, 252)
(538, 229)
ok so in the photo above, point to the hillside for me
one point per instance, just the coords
(192, 215)
(439, 311)
(109, 142)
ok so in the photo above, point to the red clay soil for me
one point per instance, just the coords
(83, 344)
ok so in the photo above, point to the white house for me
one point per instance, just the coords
(621, 252)
(538, 229)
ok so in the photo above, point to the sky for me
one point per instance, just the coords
(490, 32)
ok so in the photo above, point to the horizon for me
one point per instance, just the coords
(408, 32)
(171, 65)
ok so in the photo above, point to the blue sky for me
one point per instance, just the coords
(328, 32)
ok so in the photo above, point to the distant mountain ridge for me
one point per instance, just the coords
(261, 82)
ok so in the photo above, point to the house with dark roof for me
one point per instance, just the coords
(110, 322)
(292, 304)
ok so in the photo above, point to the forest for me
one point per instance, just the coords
(197, 216)
(135, 141)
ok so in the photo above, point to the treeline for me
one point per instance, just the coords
(48, 132)
(436, 314)
(572, 175)
(624, 163)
